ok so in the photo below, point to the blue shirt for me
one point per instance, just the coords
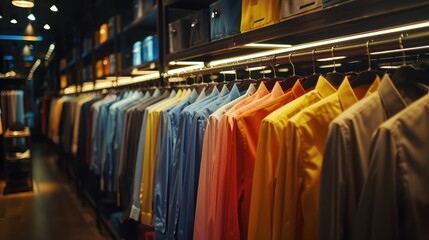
(167, 134)
(191, 171)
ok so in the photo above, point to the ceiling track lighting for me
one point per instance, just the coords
(23, 3)
(47, 27)
(13, 21)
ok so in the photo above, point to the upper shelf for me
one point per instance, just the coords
(340, 20)
(147, 22)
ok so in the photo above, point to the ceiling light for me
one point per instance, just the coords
(389, 67)
(267, 45)
(330, 59)
(47, 27)
(1, 17)
(52, 47)
(328, 42)
(31, 17)
(54, 8)
(331, 65)
(265, 71)
(185, 63)
(228, 72)
(283, 70)
(255, 68)
(23, 3)
(13, 21)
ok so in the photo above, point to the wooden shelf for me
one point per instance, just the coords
(147, 21)
(344, 19)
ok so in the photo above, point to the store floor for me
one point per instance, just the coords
(51, 211)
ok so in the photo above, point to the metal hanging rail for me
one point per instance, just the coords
(413, 41)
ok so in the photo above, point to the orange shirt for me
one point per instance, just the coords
(220, 162)
(242, 159)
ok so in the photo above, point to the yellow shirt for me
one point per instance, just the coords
(305, 140)
(56, 120)
(148, 171)
(259, 13)
(271, 133)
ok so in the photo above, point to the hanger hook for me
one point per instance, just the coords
(263, 72)
(401, 45)
(250, 72)
(291, 63)
(235, 73)
(312, 59)
(369, 54)
(272, 66)
(333, 57)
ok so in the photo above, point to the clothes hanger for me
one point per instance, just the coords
(311, 81)
(368, 76)
(212, 84)
(290, 81)
(335, 78)
(235, 81)
(247, 82)
(270, 83)
(264, 78)
(407, 73)
(224, 82)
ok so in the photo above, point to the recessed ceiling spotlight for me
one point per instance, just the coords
(47, 27)
(13, 21)
(54, 8)
(31, 17)
(1, 17)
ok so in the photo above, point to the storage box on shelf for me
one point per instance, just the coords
(225, 18)
(200, 28)
(142, 7)
(179, 31)
(261, 13)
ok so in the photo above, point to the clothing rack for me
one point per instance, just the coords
(418, 40)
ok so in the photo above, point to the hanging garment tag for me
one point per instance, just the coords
(135, 213)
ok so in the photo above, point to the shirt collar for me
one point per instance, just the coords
(251, 90)
(224, 91)
(297, 89)
(277, 91)
(390, 96)
(262, 90)
(348, 97)
(324, 88)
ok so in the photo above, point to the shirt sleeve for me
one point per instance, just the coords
(262, 200)
(332, 221)
(376, 217)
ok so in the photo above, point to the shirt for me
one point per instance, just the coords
(271, 135)
(346, 158)
(146, 188)
(192, 167)
(227, 129)
(205, 202)
(164, 158)
(305, 140)
(394, 201)
(242, 159)
(134, 208)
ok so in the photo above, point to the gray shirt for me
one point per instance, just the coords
(346, 158)
(395, 199)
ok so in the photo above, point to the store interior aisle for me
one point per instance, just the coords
(51, 211)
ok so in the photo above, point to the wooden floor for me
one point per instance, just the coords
(51, 211)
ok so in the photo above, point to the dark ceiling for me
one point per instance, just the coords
(74, 20)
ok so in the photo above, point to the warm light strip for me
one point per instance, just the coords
(125, 80)
(256, 68)
(267, 45)
(184, 69)
(148, 77)
(400, 50)
(330, 59)
(21, 38)
(135, 71)
(102, 84)
(70, 90)
(87, 86)
(328, 42)
(331, 65)
(228, 72)
(389, 67)
(186, 63)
